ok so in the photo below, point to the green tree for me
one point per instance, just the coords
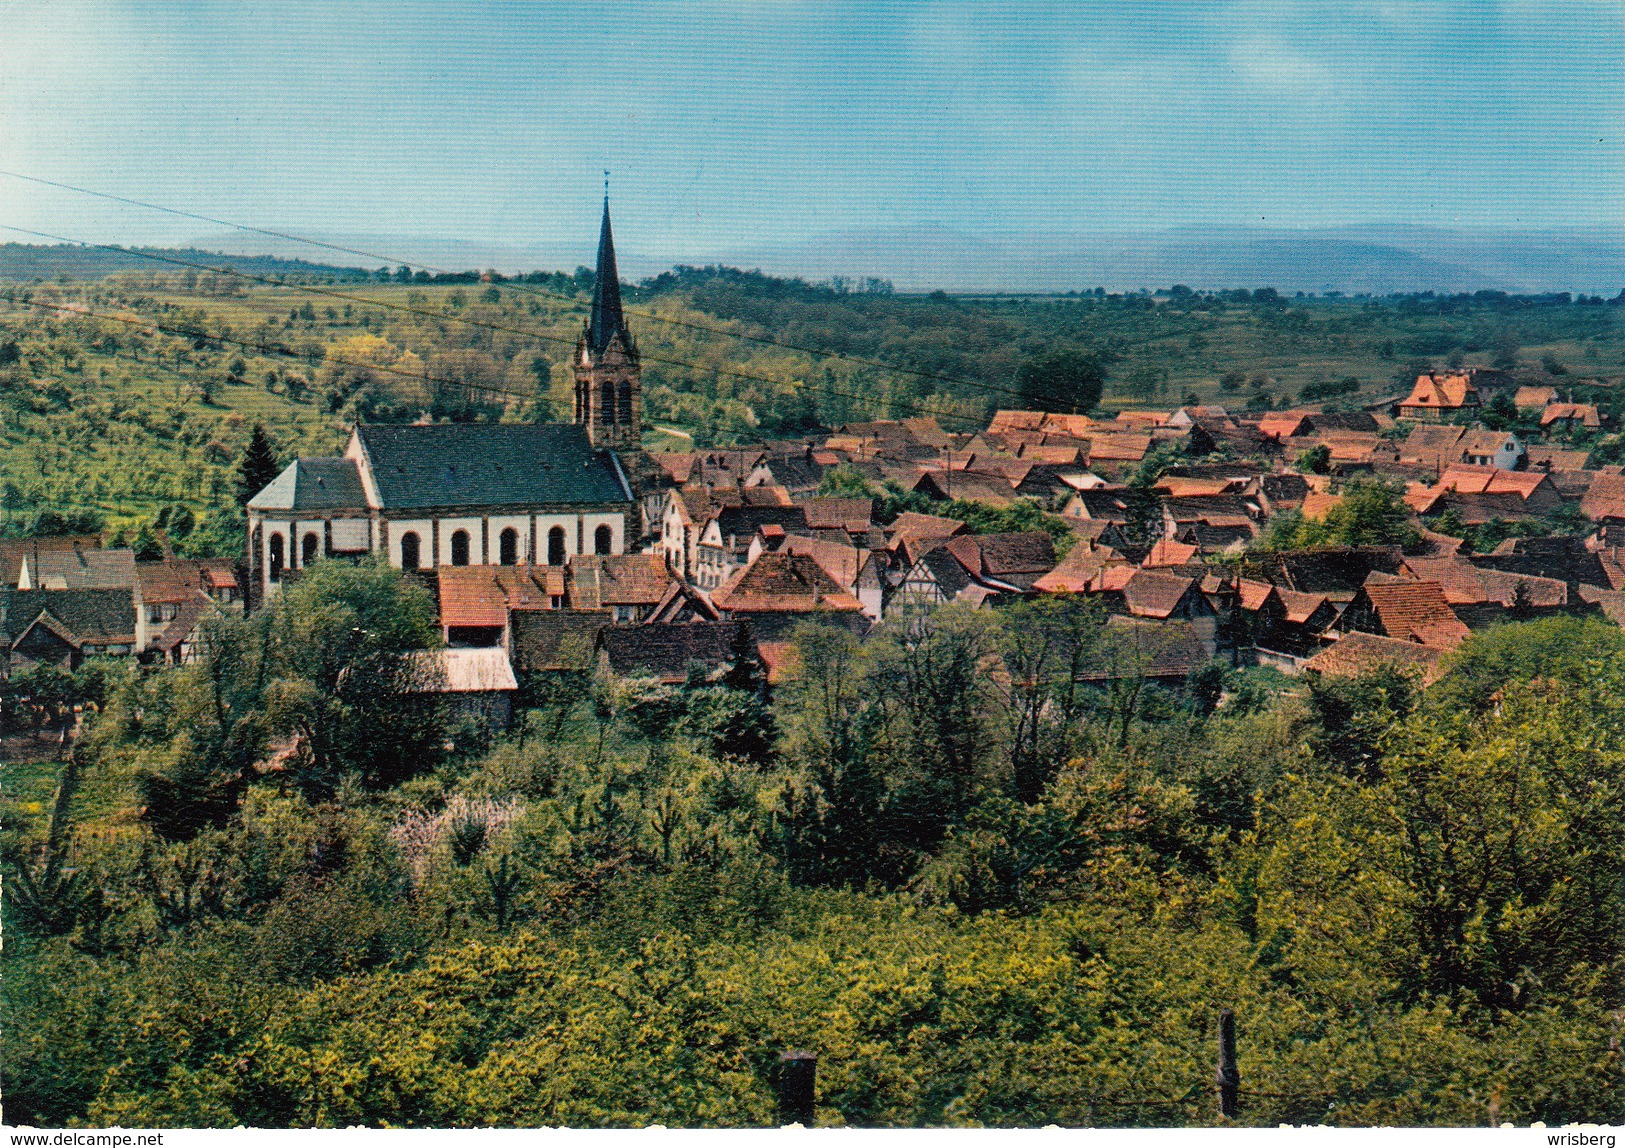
(257, 467)
(1063, 381)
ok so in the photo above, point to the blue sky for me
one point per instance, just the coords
(729, 122)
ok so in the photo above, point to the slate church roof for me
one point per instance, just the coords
(328, 483)
(489, 464)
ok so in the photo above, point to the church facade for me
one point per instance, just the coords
(468, 494)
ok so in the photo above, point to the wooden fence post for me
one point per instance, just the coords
(798, 1072)
(1228, 1077)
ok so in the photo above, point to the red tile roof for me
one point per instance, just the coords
(785, 583)
(1359, 653)
(1416, 611)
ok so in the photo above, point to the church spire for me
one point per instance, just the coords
(607, 319)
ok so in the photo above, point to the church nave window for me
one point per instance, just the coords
(508, 547)
(459, 548)
(309, 548)
(277, 557)
(411, 557)
(555, 546)
(603, 539)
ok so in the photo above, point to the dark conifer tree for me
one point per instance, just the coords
(258, 466)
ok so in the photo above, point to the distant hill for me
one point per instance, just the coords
(1375, 259)
(1371, 259)
(1367, 259)
(23, 261)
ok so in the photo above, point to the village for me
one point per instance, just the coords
(653, 574)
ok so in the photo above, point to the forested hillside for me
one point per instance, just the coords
(133, 393)
(981, 899)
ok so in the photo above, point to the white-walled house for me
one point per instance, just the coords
(458, 494)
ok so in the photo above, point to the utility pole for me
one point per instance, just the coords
(1228, 1076)
(798, 1070)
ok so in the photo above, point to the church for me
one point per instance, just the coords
(469, 494)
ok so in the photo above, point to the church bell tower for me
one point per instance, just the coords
(609, 381)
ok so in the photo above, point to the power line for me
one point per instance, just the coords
(442, 317)
(527, 288)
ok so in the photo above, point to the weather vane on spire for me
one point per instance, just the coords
(606, 183)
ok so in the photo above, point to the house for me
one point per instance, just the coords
(668, 653)
(1159, 596)
(78, 568)
(1556, 460)
(1228, 518)
(1168, 553)
(180, 640)
(1015, 560)
(725, 542)
(974, 569)
(1483, 596)
(862, 572)
(1499, 449)
(1081, 566)
(911, 533)
(1277, 493)
(1604, 499)
(1570, 416)
(1406, 610)
(1534, 398)
(555, 641)
(684, 515)
(1358, 653)
(991, 488)
(477, 603)
(629, 586)
(476, 684)
(1481, 494)
(1285, 424)
(1437, 397)
(1337, 572)
(64, 627)
(1442, 446)
(12, 551)
(1287, 639)
(778, 590)
(164, 588)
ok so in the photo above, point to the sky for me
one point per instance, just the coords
(735, 122)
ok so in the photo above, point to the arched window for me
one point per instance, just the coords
(555, 546)
(277, 557)
(411, 556)
(309, 549)
(606, 403)
(459, 548)
(625, 415)
(602, 540)
(508, 547)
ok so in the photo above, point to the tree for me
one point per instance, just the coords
(257, 467)
(146, 545)
(1062, 381)
(1371, 512)
(1315, 460)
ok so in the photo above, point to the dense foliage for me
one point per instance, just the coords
(985, 887)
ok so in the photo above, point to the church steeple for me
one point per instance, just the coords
(609, 383)
(607, 319)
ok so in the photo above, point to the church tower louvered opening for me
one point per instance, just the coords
(609, 383)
